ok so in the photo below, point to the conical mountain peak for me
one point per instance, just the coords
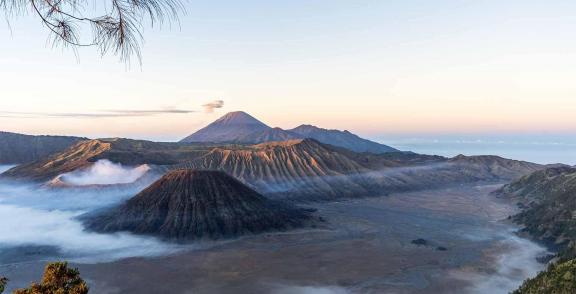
(191, 204)
(238, 118)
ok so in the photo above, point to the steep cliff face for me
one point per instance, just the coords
(188, 204)
(18, 148)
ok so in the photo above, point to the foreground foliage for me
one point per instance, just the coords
(3, 282)
(559, 278)
(111, 26)
(57, 279)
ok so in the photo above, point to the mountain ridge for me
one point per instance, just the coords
(20, 148)
(343, 139)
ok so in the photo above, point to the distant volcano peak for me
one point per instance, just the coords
(241, 128)
(239, 118)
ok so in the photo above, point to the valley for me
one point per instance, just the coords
(365, 247)
(239, 207)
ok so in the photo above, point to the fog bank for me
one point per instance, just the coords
(105, 172)
(31, 215)
(4, 168)
(513, 259)
(21, 226)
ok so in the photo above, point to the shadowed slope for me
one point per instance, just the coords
(18, 148)
(187, 204)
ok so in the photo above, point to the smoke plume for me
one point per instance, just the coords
(209, 107)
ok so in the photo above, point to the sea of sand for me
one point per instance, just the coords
(364, 246)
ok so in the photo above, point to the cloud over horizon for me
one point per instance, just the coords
(112, 113)
(97, 114)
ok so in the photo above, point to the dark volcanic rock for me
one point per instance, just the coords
(188, 204)
(420, 242)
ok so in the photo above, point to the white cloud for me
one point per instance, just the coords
(105, 172)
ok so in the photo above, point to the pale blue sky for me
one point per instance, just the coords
(379, 68)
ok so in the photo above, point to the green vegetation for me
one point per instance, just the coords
(559, 278)
(57, 279)
(3, 282)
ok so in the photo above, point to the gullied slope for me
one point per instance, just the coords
(76, 157)
(305, 166)
(18, 148)
(343, 139)
(187, 204)
(302, 169)
(309, 170)
(559, 278)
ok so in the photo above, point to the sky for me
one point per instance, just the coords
(384, 69)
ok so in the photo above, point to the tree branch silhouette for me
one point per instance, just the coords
(114, 26)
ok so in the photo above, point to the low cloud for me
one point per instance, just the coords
(514, 262)
(209, 107)
(105, 172)
(32, 216)
(112, 113)
(60, 229)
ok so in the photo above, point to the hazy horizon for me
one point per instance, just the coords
(543, 148)
(377, 68)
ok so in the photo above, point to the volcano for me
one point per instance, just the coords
(234, 127)
(189, 204)
(241, 128)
